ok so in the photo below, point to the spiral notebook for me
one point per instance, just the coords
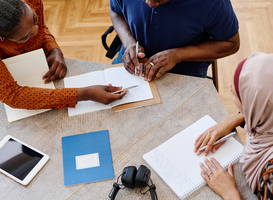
(177, 164)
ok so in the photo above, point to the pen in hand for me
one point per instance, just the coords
(136, 56)
(126, 88)
(219, 140)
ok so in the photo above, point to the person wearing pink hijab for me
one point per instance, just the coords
(253, 95)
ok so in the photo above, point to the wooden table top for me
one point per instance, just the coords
(132, 133)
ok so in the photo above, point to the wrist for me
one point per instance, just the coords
(232, 195)
(176, 55)
(55, 51)
(130, 41)
(83, 94)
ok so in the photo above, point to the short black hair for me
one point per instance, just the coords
(11, 13)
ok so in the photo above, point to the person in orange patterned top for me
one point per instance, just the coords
(22, 29)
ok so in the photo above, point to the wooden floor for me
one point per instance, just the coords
(78, 26)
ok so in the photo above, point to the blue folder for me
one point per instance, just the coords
(86, 146)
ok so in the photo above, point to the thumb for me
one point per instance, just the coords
(141, 55)
(230, 169)
(111, 88)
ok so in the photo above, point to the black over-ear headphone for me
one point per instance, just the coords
(131, 178)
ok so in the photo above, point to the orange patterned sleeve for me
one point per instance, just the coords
(17, 96)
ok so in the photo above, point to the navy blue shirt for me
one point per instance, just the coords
(178, 23)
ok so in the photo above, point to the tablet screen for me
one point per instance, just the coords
(17, 159)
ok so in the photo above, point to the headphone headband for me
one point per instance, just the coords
(131, 178)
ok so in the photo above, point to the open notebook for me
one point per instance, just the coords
(177, 164)
(117, 76)
(27, 69)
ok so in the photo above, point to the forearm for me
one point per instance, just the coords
(206, 51)
(235, 120)
(39, 98)
(122, 29)
(49, 42)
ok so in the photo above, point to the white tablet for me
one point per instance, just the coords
(20, 161)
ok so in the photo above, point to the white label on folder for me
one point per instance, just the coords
(87, 161)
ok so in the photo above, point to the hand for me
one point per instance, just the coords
(130, 60)
(163, 61)
(211, 135)
(219, 180)
(57, 66)
(100, 93)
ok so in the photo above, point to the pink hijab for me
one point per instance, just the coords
(256, 92)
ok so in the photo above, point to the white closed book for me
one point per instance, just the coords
(27, 69)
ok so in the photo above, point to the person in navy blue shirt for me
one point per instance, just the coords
(178, 36)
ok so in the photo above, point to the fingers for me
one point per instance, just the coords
(129, 66)
(62, 73)
(230, 169)
(217, 146)
(206, 141)
(160, 72)
(206, 170)
(216, 163)
(111, 88)
(116, 96)
(150, 68)
(56, 71)
(210, 166)
(199, 137)
(204, 177)
(209, 146)
(120, 95)
(48, 76)
(130, 59)
(199, 141)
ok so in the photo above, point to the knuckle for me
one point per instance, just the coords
(127, 63)
(55, 76)
(133, 57)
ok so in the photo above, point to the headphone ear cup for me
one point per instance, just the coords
(142, 176)
(128, 177)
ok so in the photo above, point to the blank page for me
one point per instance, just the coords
(84, 80)
(177, 164)
(118, 76)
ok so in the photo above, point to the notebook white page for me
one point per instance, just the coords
(177, 164)
(84, 80)
(27, 69)
(117, 76)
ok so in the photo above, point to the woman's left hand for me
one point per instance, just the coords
(57, 66)
(219, 180)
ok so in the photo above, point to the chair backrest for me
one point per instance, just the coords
(215, 74)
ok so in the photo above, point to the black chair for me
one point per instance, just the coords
(214, 77)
